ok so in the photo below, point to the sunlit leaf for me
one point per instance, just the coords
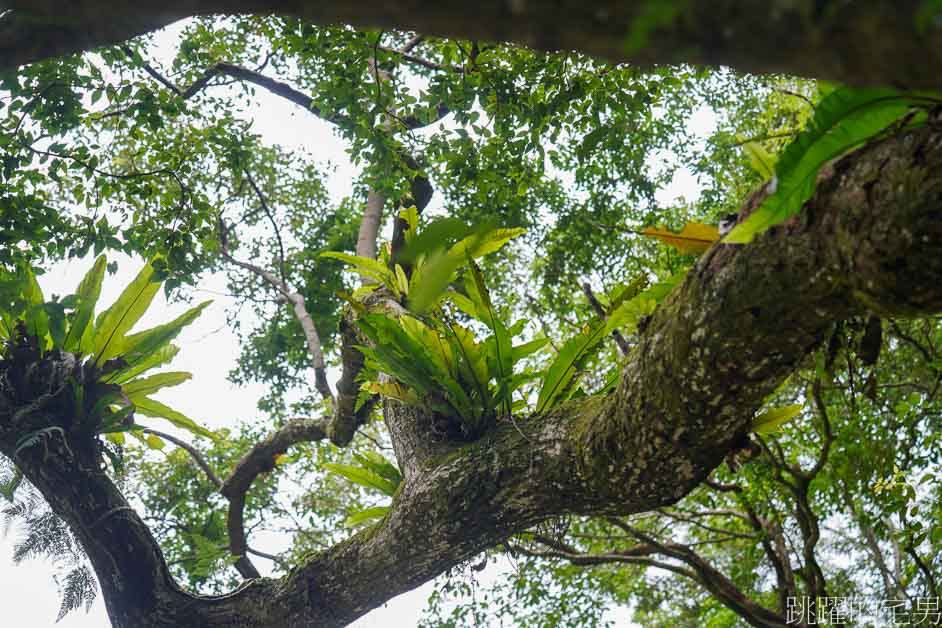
(772, 419)
(693, 239)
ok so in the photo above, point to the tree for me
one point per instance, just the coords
(472, 476)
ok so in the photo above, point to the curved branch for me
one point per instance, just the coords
(262, 458)
(193, 451)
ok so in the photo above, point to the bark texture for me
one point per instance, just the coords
(745, 317)
(851, 42)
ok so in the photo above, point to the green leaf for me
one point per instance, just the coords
(760, 159)
(117, 320)
(501, 364)
(366, 267)
(560, 376)
(363, 477)
(152, 408)
(87, 293)
(481, 244)
(141, 346)
(154, 442)
(630, 311)
(843, 120)
(434, 236)
(773, 418)
(378, 464)
(365, 515)
(528, 348)
(161, 356)
(149, 385)
(431, 279)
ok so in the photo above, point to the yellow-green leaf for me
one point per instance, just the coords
(693, 239)
(365, 515)
(152, 408)
(154, 442)
(149, 385)
(773, 418)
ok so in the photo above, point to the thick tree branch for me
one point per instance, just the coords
(743, 320)
(858, 43)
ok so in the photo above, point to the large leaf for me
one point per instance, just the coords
(760, 159)
(642, 304)
(367, 514)
(152, 408)
(481, 244)
(138, 347)
(773, 418)
(149, 385)
(366, 267)
(115, 322)
(431, 279)
(560, 375)
(87, 294)
(500, 350)
(843, 120)
(694, 239)
(363, 477)
(158, 358)
(378, 464)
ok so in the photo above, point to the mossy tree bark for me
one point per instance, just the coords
(745, 318)
(884, 43)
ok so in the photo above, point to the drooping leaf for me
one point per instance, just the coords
(153, 408)
(694, 239)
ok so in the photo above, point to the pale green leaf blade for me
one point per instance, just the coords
(153, 408)
(148, 385)
(772, 419)
(367, 514)
(363, 477)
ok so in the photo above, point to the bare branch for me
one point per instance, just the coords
(623, 345)
(194, 453)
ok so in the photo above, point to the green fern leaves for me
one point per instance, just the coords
(844, 119)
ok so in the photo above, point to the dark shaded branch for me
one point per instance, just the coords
(863, 44)
(262, 458)
(425, 63)
(623, 345)
(714, 581)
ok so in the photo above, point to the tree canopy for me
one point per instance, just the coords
(506, 340)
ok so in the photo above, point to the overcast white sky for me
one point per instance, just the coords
(28, 596)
